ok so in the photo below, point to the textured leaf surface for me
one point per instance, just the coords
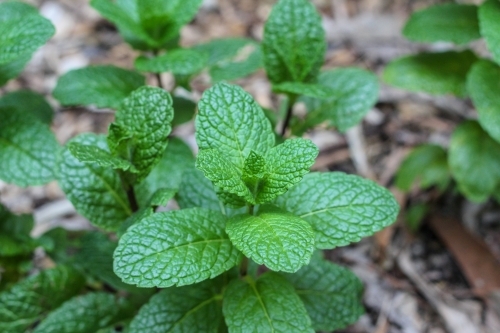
(275, 238)
(287, 164)
(180, 61)
(28, 149)
(306, 89)
(331, 294)
(195, 308)
(231, 121)
(292, 24)
(95, 155)
(428, 164)
(474, 161)
(483, 85)
(83, 314)
(175, 248)
(24, 303)
(340, 208)
(27, 101)
(95, 191)
(434, 73)
(450, 22)
(147, 114)
(489, 12)
(353, 92)
(268, 304)
(12, 69)
(103, 86)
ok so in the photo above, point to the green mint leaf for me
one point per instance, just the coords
(435, 73)
(28, 149)
(162, 196)
(238, 68)
(353, 92)
(95, 155)
(231, 121)
(222, 50)
(305, 89)
(484, 89)
(195, 308)
(194, 248)
(104, 86)
(95, 191)
(450, 22)
(331, 294)
(489, 12)
(15, 10)
(15, 236)
(268, 304)
(26, 101)
(12, 69)
(254, 167)
(341, 208)
(27, 301)
(180, 61)
(83, 314)
(195, 190)
(275, 238)
(293, 23)
(184, 110)
(147, 114)
(428, 164)
(473, 160)
(223, 174)
(23, 35)
(135, 218)
(119, 140)
(287, 164)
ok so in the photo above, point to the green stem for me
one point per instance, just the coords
(250, 209)
(244, 266)
(291, 101)
(132, 199)
(158, 75)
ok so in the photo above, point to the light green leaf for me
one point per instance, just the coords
(294, 42)
(268, 304)
(28, 149)
(15, 9)
(12, 69)
(305, 89)
(193, 248)
(428, 164)
(180, 61)
(95, 191)
(231, 121)
(255, 167)
(119, 140)
(340, 208)
(353, 92)
(434, 73)
(27, 101)
(147, 114)
(287, 164)
(83, 314)
(275, 238)
(474, 159)
(483, 85)
(331, 294)
(95, 155)
(27, 301)
(195, 308)
(489, 12)
(449, 22)
(104, 86)
(223, 174)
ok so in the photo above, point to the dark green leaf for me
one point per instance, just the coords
(489, 12)
(12, 69)
(27, 101)
(184, 110)
(305, 89)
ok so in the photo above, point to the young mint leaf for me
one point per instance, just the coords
(27, 301)
(104, 86)
(119, 141)
(255, 167)
(268, 304)
(340, 208)
(474, 161)
(483, 86)
(95, 191)
(147, 114)
(246, 62)
(353, 92)
(180, 61)
(223, 173)
(489, 12)
(434, 73)
(287, 164)
(12, 69)
(83, 314)
(331, 294)
(28, 149)
(275, 238)
(195, 308)
(428, 164)
(194, 248)
(305, 89)
(26, 101)
(449, 22)
(95, 155)
(291, 26)
(231, 121)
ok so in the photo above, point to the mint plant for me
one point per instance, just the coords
(472, 158)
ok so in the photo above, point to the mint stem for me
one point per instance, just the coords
(132, 199)
(289, 111)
